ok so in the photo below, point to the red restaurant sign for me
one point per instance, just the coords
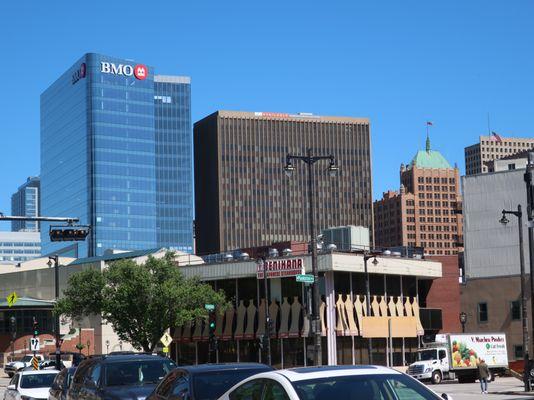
(281, 268)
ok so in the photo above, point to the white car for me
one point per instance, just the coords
(331, 383)
(12, 367)
(29, 385)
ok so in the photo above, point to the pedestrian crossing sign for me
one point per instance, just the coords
(12, 299)
(166, 339)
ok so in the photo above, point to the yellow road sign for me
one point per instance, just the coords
(12, 299)
(166, 339)
(165, 349)
(35, 363)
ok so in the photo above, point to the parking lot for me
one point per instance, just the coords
(502, 388)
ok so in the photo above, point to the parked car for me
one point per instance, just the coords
(46, 364)
(27, 385)
(204, 382)
(12, 367)
(332, 383)
(119, 376)
(58, 390)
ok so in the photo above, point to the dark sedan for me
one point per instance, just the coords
(204, 382)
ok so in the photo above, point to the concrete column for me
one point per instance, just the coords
(330, 317)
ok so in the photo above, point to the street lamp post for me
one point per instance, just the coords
(463, 320)
(366, 257)
(333, 169)
(54, 260)
(530, 208)
(504, 221)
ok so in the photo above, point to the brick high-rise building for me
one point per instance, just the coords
(425, 211)
(244, 199)
(478, 157)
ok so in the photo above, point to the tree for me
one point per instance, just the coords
(140, 301)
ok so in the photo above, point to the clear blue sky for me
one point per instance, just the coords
(400, 63)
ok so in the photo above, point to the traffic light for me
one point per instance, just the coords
(68, 233)
(212, 323)
(35, 328)
(12, 325)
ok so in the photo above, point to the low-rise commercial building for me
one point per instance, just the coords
(401, 291)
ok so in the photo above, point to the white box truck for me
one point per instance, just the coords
(456, 356)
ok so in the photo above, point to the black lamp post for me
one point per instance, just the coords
(333, 169)
(366, 257)
(463, 320)
(54, 261)
(504, 221)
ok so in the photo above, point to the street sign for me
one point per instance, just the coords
(35, 363)
(165, 349)
(306, 278)
(12, 299)
(166, 339)
(209, 307)
(34, 344)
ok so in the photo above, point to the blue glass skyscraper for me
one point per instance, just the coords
(116, 145)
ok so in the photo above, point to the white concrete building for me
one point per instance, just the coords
(17, 247)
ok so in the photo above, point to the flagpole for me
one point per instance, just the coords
(489, 129)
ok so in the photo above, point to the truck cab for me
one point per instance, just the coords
(432, 364)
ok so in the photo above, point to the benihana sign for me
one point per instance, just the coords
(281, 268)
(140, 71)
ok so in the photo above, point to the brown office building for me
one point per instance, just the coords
(479, 156)
(244, 199)
(425, 211)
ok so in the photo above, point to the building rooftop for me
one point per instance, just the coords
(298, 117)
(430, 158)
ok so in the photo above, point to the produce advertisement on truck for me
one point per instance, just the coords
(466, 349)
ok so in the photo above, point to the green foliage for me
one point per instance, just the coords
(140, 301)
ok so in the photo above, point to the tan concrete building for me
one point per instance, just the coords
(488, 312)
(478, 156)
(427, 210)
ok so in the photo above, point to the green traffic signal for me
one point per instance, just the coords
(212, 325)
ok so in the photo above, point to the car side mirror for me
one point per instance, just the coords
(11, 387)
(446, 396)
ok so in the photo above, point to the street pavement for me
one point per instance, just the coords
(501, 388)
(3, 383)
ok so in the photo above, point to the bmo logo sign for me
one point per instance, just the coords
(140, 71)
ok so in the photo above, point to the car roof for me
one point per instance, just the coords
(224, 367)
(328, 371)
(110, 358)
(39, 372)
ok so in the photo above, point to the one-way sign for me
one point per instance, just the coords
(34, 344)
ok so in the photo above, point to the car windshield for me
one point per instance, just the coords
(213, 384)
(36, 381)
(137, 372)
(363, 387)
(26, 358)
(427, 355)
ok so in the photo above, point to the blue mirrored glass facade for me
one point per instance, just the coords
(102, 119)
